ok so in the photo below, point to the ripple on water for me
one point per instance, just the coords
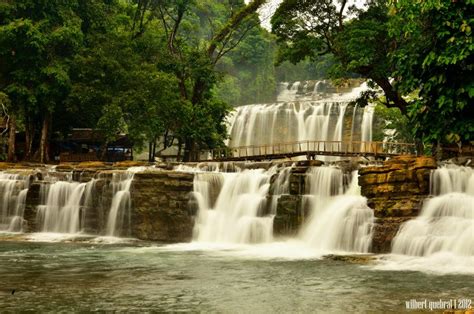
(189, 277)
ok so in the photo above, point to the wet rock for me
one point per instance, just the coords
(398, 187)
(160, 206)
(31, 207)
(289, 217)
(395, 191)
(352, 259)
(385, 229)
(347, 166)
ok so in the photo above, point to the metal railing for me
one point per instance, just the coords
(331, 148)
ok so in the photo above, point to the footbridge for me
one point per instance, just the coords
(310, 149)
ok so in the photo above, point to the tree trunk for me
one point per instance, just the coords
(187, 150)
(150, 149)
(44, 141)
(180, 146)
(439, 151)
(11, 139)
(190, 150)
(103, 154)
(29, 136)
(391, 94)
(154, 150)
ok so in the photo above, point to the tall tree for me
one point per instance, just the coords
(434, 57)
(357, 38)
(37, 40)
(193, 61)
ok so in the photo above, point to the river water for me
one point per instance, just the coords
(188, 277)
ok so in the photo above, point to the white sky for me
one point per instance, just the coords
(266, 12)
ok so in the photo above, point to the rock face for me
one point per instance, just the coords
(289, 212)
(160, 206)
(395, 191)
(32, 201)
(289, 218)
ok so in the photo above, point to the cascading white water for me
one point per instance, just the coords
(235, 208)
(13, 191)
(288, 94)
(281, 186)
(338, 221)
(119, 218)
(451, 179)
(235, 216)
(446, 222)
(16, 223)
(297, 117)
(61, 206)
(287, 122)
(367, 121)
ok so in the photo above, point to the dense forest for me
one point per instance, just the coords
(171, 70)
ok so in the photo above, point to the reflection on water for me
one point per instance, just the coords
(140, 276)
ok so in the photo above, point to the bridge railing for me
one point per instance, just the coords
(339, 148)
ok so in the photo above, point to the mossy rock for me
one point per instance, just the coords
(130, 163)
(91, 164)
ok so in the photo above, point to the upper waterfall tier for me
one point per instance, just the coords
(319, 90)
(299, 115)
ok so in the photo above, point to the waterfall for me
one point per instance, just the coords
(287, 122)
(281, 186)
(63, 203)
(239, 208)
(61, 206)
(338, 221)
(445, 224)
(450, 179)
(297, 117)
(233, 207)
(119, 218)
(366, 127)
(13, 191)
(16, 223)
(288, 94)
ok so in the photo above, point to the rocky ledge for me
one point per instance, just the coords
(160, 206)
(395, 191)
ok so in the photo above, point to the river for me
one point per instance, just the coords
(132, 276)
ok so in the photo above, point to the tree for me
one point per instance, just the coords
(434, 56)
(118, 86)
(193, 61)
(37, 40)
(10, 127)
(315, 28)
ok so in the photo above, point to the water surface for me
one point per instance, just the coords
(143, 276)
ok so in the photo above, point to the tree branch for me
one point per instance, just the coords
(234, 21)
(340, 15)
(223, 51)
(5, 114)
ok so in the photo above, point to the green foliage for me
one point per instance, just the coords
(93, 64)
(249, 71)
(435, 55)
(390, 123)
(425, 46)
(171, 68)
(356, 40)
(307, 69)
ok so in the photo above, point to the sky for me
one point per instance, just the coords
(269, 8)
